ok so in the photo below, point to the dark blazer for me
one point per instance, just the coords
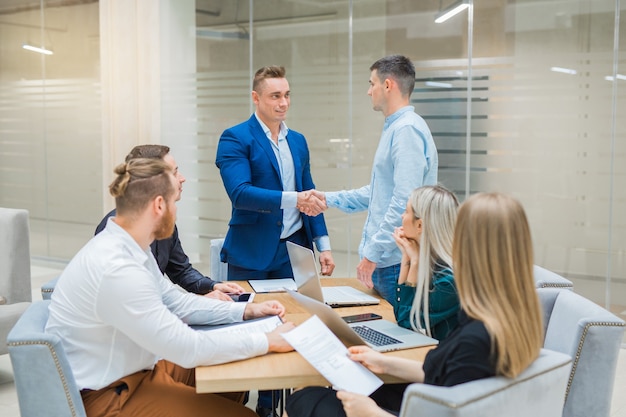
(174, 262)
(251, 176)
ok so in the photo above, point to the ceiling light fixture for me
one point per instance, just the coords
(451, 11)
(35, 49)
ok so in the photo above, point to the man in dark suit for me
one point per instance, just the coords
(168, 252)
(266, 173)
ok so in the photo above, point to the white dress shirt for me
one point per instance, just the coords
(116, 314)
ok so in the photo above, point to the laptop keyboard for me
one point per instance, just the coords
(375, 337)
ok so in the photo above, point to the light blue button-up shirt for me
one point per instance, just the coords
(406, 159)
(292, 220)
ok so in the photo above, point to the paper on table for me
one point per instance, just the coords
(325, 352)
(264, 325)
(272, 285)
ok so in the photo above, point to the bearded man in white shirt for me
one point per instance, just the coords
(125, 328)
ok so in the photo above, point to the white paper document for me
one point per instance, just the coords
(272, 285)
(264, 325)
(325, 352)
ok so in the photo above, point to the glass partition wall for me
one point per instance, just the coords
(522, 96)
(50, 121)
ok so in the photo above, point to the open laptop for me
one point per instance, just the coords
(308, 282)
(380, 335)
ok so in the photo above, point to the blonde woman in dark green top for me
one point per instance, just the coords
(426, 296)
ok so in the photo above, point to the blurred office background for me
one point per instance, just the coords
(522, 96)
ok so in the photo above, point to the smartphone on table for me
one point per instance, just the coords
(361, 317)
(244, 297)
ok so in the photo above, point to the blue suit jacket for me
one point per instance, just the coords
(251, 176)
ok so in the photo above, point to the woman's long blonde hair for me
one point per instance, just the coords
(493, 268)
(437, 207)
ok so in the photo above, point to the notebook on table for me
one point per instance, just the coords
(308, 282)
(272, 285)
(380, 335)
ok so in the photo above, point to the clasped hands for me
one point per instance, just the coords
(311, 202)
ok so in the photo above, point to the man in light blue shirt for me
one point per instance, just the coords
(406, 159)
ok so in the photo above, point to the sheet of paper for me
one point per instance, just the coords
(272, 285)
(264, 325)
(325, 352)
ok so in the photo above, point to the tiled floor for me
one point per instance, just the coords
(41, 274)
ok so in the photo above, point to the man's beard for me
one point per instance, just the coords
(166, 227)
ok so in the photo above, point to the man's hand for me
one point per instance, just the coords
(364, 271)
(327, 263)
(319, 194)
(218, 295)
(277, 342)
(310, 203)
(228, 287)
(266, 308)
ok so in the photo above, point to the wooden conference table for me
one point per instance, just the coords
(289, 370)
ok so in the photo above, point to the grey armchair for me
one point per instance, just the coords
(43, 379)
(219, 269)
(15, 288)
(548, 279)
(537, 392)
(48, 288)
(592, 337)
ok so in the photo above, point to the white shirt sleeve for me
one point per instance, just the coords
(155, 315)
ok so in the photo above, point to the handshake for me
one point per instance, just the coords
(311, 202)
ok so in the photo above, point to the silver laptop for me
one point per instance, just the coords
(380, 335)
(308, 282)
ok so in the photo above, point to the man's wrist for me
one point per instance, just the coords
(322, 243)
(289, 199)
(213, 284)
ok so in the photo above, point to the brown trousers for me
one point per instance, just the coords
(166, 391)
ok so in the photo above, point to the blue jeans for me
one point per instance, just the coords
(265, 399)
(385, 281)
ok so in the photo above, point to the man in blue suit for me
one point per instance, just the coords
(266, 173)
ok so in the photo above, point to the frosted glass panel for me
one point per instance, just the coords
(50, 124)
(538, 114)
(540, 110)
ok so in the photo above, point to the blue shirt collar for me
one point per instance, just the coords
(393, 117)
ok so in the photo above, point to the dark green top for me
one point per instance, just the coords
(443, 303)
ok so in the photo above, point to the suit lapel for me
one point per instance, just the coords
(258, 135)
